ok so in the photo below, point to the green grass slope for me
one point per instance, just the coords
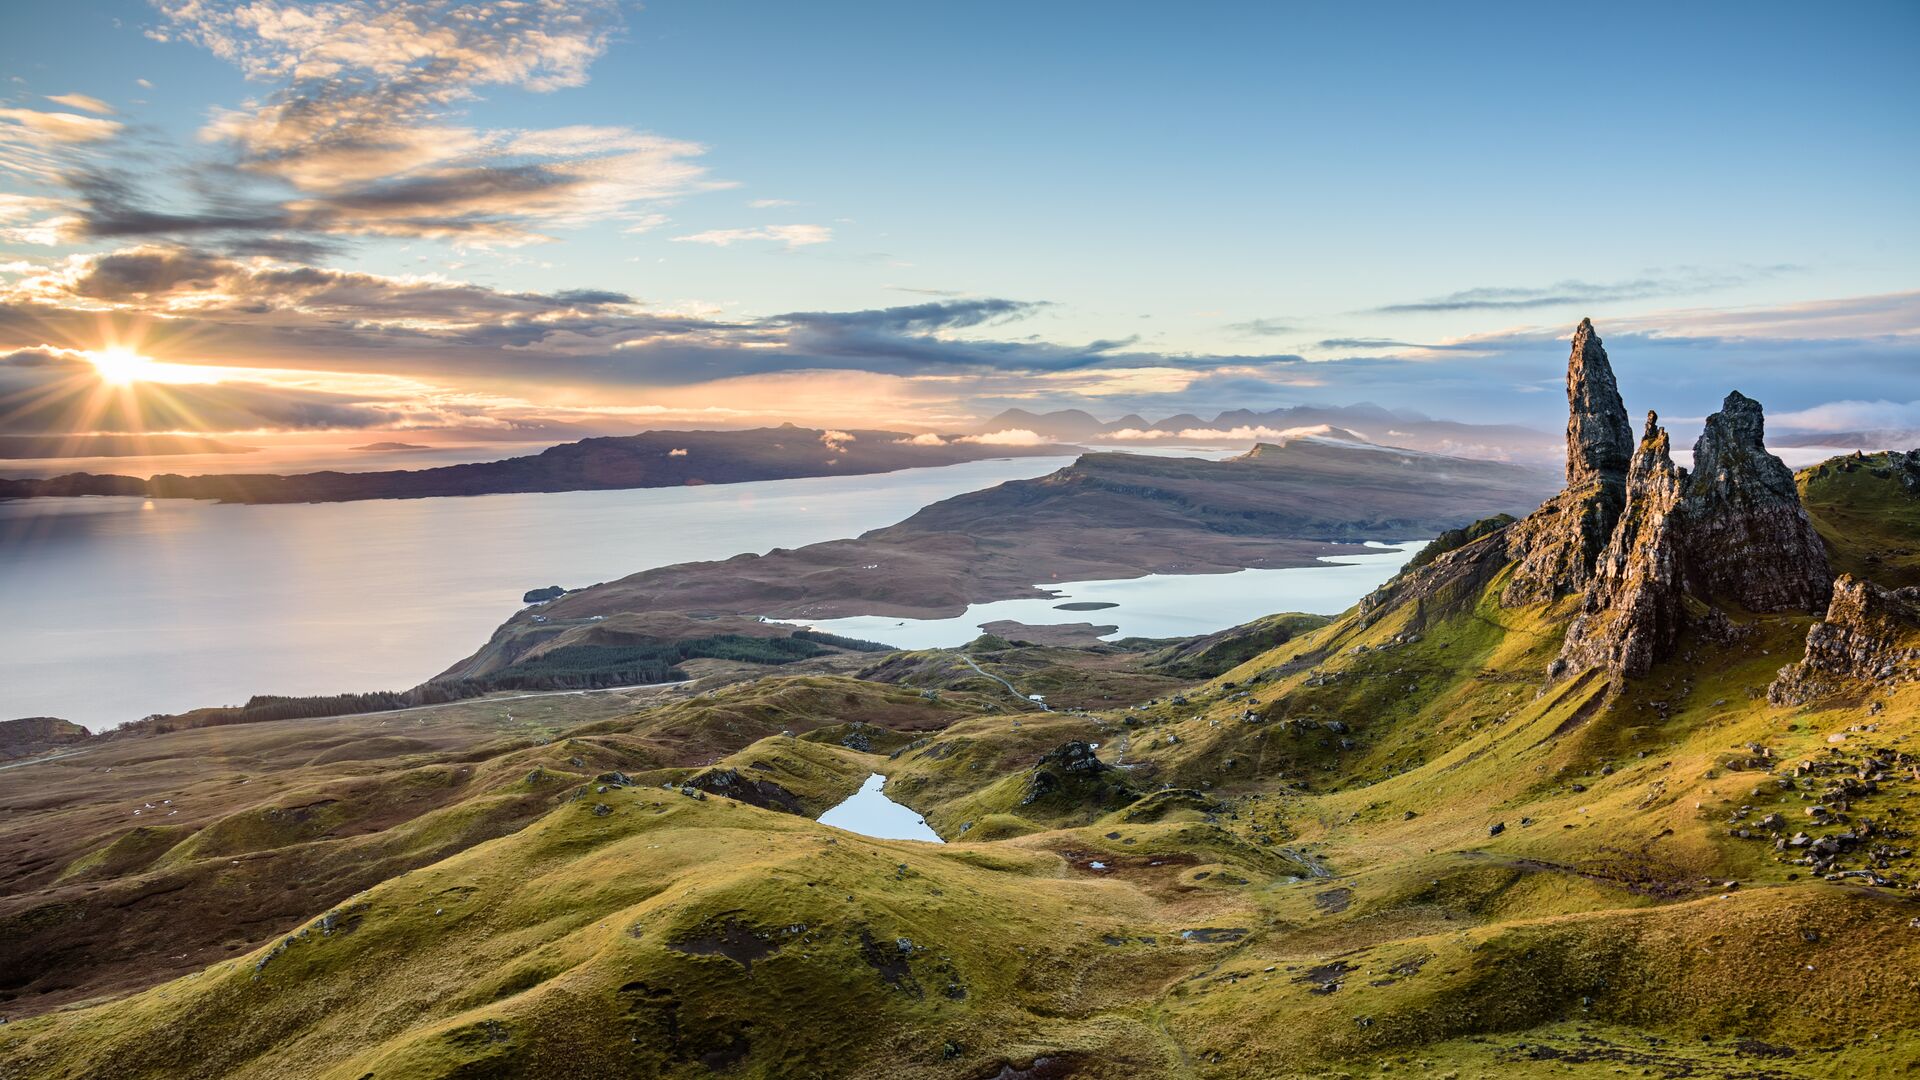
(1383, 844)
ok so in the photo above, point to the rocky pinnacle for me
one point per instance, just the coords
(1732, 532)
(1599, 438)
(1557, 545)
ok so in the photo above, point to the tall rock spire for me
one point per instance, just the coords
(1557, 545)
(1599, 437)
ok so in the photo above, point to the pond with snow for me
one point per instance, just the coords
(870, 813)
(1155, 606)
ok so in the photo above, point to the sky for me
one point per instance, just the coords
(530, 219)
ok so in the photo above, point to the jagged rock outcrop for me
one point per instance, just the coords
(1749, 539)
(1868, 636)
(1445, 583)
(754, 792)
(1635, 607)
(1652, 546)
(1556, 546)
(1072, 776)
(1733, 530)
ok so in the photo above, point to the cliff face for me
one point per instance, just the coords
(1557, 545)
(1647, 542)
(1633, 612)
(1868, 636)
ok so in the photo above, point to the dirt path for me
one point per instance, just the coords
(1012, 689)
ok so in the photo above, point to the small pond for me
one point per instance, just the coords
(870, 813)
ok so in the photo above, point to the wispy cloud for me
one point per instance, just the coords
(793, 236)
(1573, 291)
(1262, 327)
(1851, 416)
(84, 102)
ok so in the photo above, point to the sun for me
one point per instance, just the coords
(121, 366)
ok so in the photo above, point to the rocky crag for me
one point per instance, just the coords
(1868, 637)
(1557, 545)
(1647, 549)
(1655, 548)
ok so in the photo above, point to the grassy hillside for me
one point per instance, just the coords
(1377, 844)
(1867, 508)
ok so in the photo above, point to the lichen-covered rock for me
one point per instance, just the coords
(1749, 540)
(1071, 775)
(754, 792)
(1870, 635)
(1556, 545)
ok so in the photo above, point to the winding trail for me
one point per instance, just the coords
(1012, 689)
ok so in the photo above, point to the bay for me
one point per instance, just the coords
(114, 608)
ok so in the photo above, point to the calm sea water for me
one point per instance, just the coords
(1158, 605)
(114, 608)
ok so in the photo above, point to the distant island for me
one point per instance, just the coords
(389, 447)
(650, 459)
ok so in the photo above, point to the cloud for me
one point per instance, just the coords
(82, 102)
(30, 125)
(794, 236)
(925, 438)
(1847, 416)
(1008, 437)
(770, 204)
(542, 45)
(836, 441)
(678, 451)
(363, 134)
(1261, 327)
(1510, 298)
(480, 354)
(40, 147)
(1240, 433)
(1371, 343)
(175, 281)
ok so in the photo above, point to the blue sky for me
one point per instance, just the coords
(1192, 206)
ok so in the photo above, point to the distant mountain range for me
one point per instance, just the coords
(650, 459)
(1365, 422)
